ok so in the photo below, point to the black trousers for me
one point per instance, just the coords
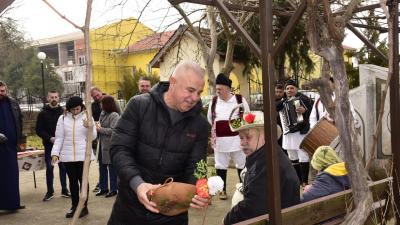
(74, 172)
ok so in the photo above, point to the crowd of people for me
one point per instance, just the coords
(161, 134)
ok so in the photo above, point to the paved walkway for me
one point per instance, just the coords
(53, 212)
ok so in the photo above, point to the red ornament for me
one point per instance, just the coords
(249, 118)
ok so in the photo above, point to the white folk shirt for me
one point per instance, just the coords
(322, 112)
(222, 111)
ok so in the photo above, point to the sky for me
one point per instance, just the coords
(38, 21)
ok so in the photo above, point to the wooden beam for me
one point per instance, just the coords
(394, 101)
(235, 24)
(4, 4)
(289, 28)
(268, 79)
(380, 29)
(366, 41)
(327, 207)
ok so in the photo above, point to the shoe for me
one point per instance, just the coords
(48, 196)
(65, 193)
(111, 193)
(21, 207)
(84, 212)
(70, 212)
(101, 192)
(96, 189)
(223, 196)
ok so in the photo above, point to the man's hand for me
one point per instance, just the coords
(141, 192)
(301, 110)
(3, 138)
(52, 139)
(198, 202)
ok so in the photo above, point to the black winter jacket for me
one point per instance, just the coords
(146, 143)
(255, 185)
(304, 127)
(46, 123)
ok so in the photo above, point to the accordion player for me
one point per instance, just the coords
(292, 121)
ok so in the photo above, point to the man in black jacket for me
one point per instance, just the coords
(252, 143)
(46, 124)
(161, 134)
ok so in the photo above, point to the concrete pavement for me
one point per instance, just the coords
(53, 212)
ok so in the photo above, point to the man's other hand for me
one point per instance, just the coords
(199, 202)
(141, 192)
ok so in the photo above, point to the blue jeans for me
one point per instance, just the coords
(103, 173)
(49, 170)
(106, 170)
(113, 178)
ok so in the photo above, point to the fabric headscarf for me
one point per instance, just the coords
(323, 157)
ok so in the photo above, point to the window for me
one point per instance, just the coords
(82, 60)
(68, 76)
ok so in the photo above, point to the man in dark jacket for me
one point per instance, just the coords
(252, 142)
(11, 131)
(45, 128)
(161, 134)
(97, 96)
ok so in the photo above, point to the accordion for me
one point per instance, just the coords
(290, 119)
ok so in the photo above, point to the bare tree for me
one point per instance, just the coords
(216, 25)
(88, 79)
(325, 32)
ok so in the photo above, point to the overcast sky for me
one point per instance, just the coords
(39, 21)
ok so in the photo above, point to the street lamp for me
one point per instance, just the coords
(42, 56)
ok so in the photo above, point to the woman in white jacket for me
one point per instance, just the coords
(70, 146)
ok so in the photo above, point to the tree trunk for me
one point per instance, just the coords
(348, 138)
(88, 81)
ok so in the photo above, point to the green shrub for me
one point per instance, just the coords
(34, 141)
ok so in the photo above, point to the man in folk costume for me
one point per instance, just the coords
(319, 110)
(226, 143)
(292, 139)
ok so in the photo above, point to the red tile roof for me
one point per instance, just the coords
(154, 41)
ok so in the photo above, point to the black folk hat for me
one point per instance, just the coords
(222, 79)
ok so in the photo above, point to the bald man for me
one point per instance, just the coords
(159, 135)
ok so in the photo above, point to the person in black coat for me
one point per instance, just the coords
(252, 142)
(45, 128)
(11, 132)
(161, 134)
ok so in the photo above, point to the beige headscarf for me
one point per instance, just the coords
(323, 157)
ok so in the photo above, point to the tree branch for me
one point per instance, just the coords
(63, 16)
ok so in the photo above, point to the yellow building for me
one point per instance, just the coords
(108, 43)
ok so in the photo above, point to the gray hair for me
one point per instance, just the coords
(189, 65)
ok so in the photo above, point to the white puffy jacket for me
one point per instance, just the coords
(70, 138)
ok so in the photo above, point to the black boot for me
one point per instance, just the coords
(296, 166)
(222, 174)
(240, 178)
(305, 167)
